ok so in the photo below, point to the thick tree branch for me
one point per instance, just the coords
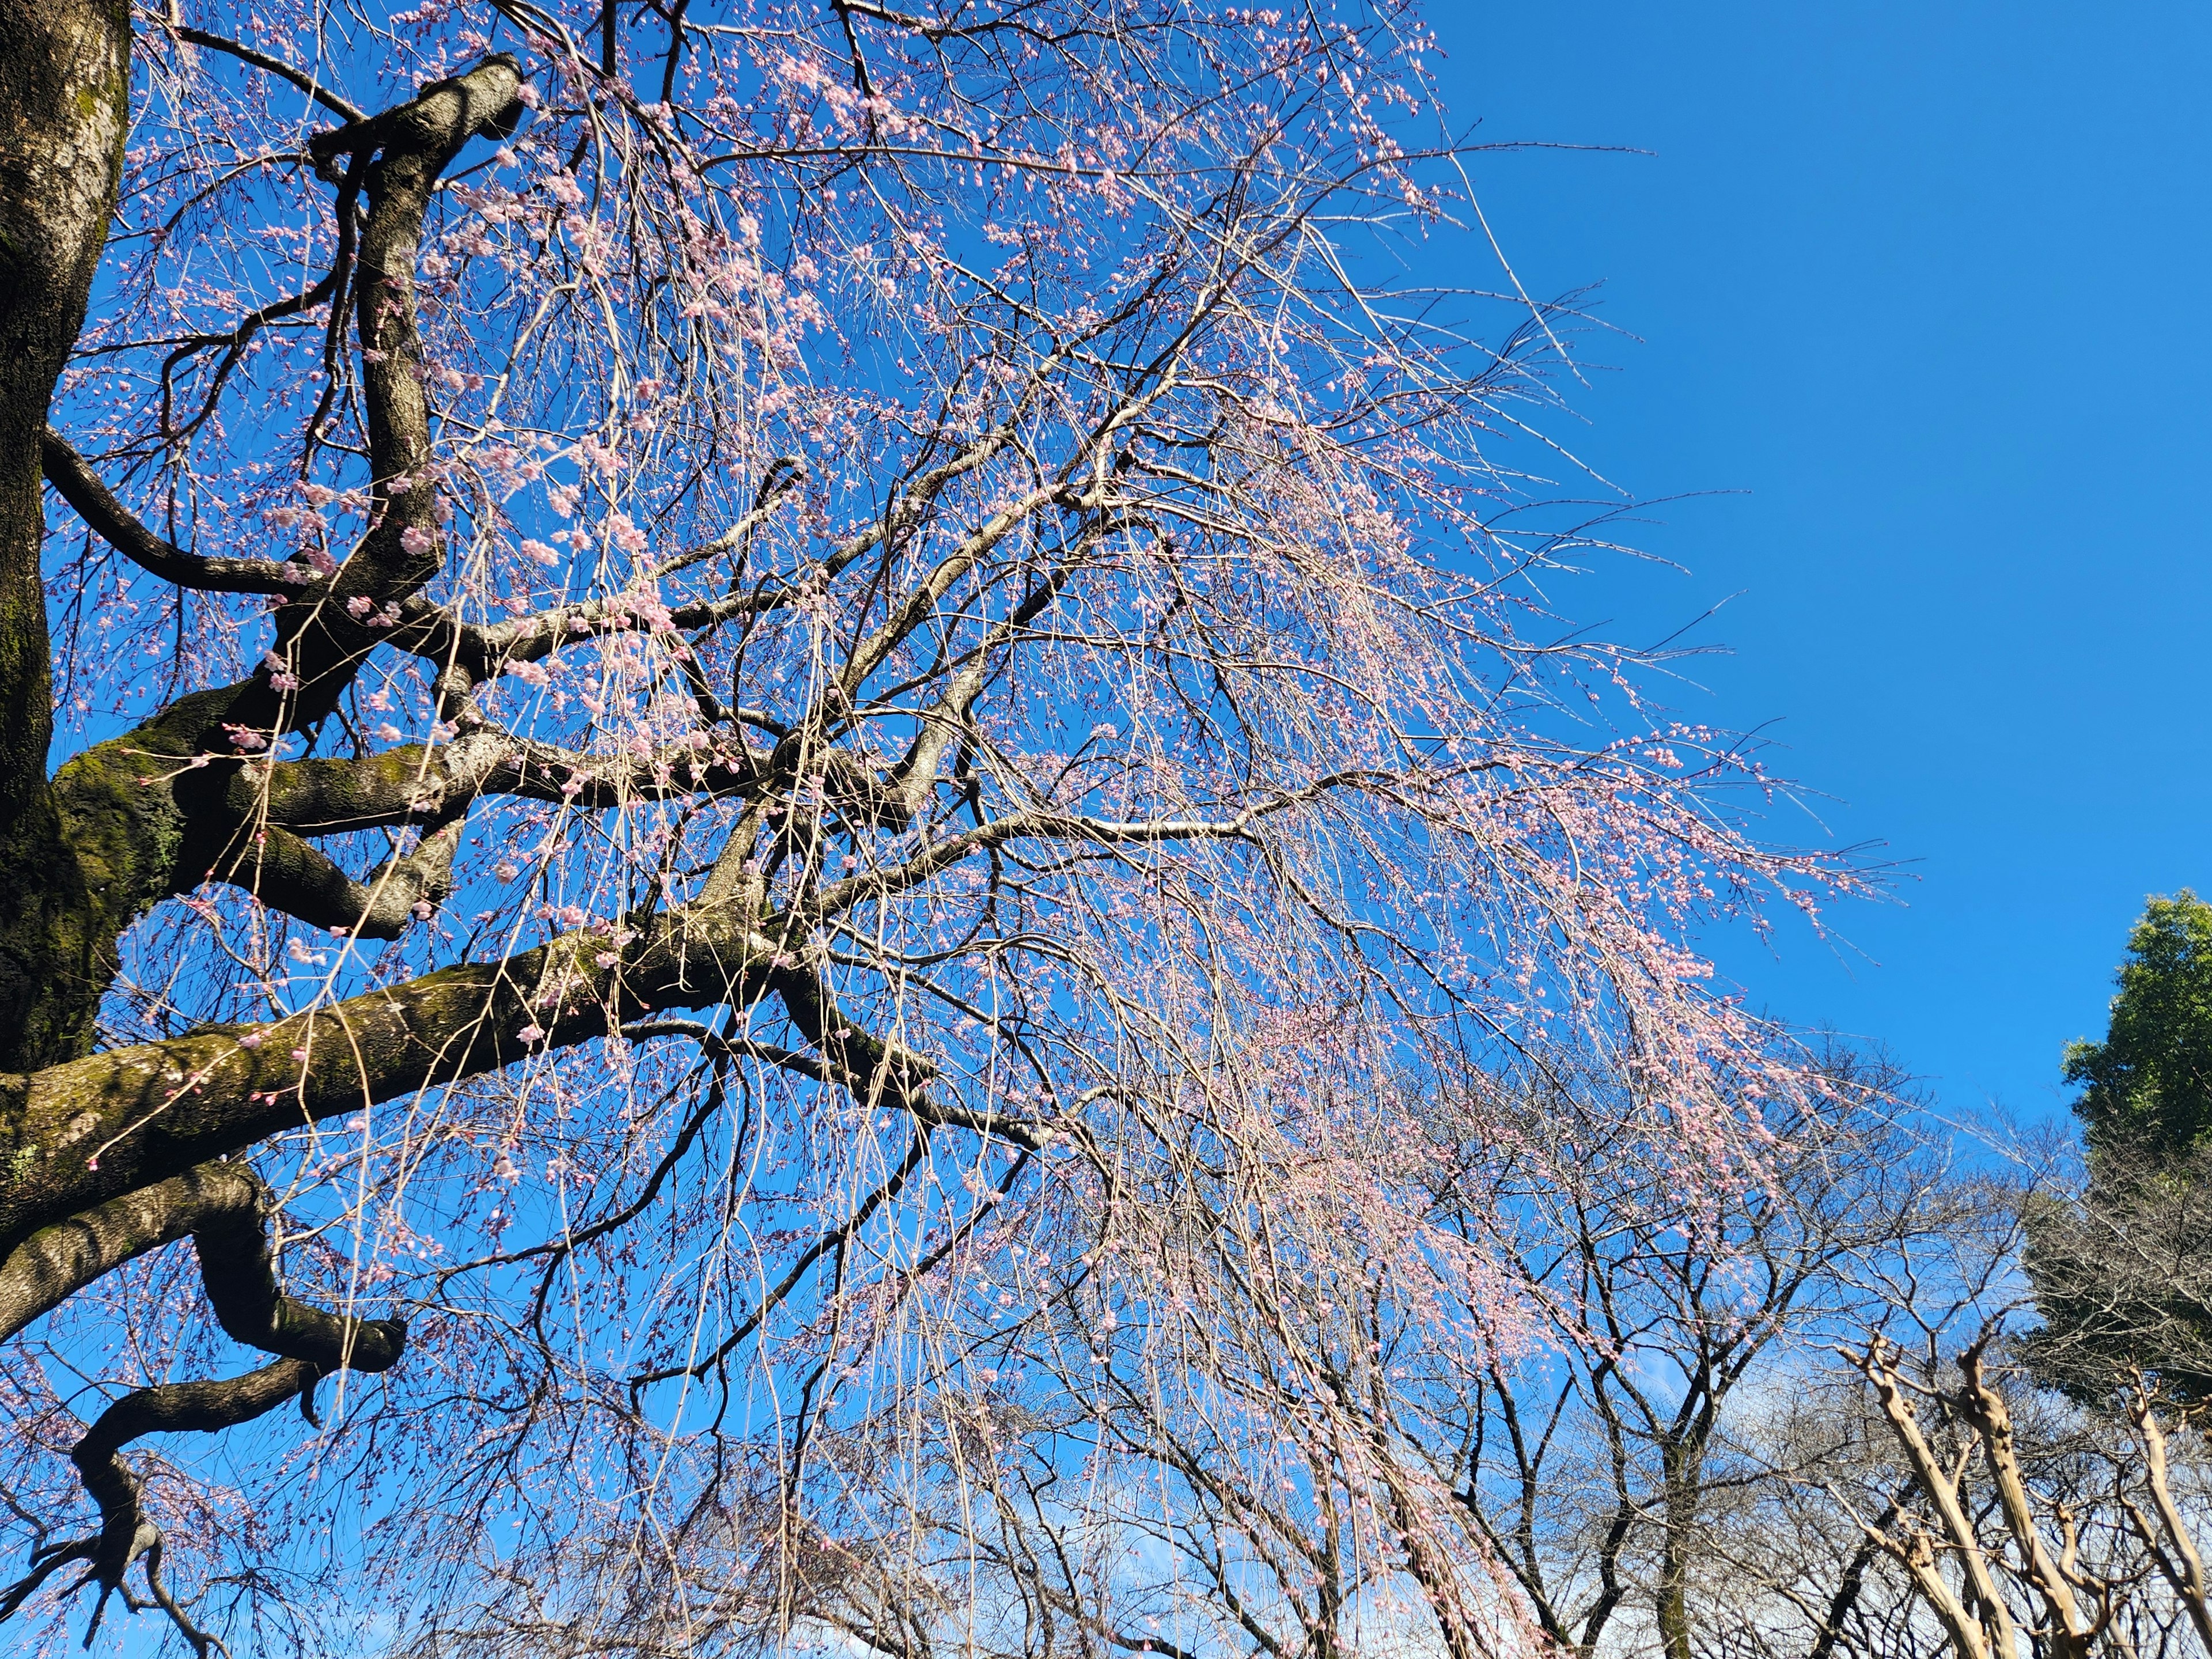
(78, 1134)
(286, 874)
(57, 1262)
(227, 1209)
(78, 485)
(413, 784)
(405, 150)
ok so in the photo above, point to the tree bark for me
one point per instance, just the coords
(64, 92)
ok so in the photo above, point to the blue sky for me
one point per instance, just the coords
(1924, 282)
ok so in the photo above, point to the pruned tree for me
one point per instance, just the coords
(2008, 1535)
(787, 738)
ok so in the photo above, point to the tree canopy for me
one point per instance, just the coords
(768, 757)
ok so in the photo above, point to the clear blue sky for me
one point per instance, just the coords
(1927, 282)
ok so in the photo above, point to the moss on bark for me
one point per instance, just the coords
(65, 90)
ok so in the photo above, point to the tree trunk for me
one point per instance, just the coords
(1683, 1467)
(65, 91)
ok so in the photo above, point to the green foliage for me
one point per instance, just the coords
(2123, 1272)
(2148, 1084)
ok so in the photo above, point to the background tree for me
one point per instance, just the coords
(2019, 1520)
(2065, 1517)
(789, 740)
(2148, 1084)
(1608, 1465)
(1932, 1495)
(2123, 1275)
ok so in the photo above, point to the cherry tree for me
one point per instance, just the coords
(763, 755)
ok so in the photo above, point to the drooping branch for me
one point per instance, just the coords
(832, 1244)
(233, 342)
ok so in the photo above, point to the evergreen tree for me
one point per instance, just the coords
(2123, 1277)
(2148, 1084)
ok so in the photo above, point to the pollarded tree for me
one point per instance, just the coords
(781, 725)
